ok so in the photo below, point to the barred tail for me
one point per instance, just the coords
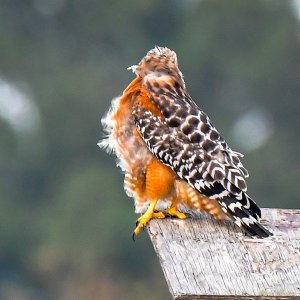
(245, 215)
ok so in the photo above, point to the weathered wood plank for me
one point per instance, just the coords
(207, 259)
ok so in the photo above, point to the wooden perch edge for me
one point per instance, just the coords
(207, 259)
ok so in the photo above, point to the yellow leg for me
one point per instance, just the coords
(146, 217)
(172, 211)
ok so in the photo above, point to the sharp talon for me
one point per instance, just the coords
(139, 225)
(143, 220)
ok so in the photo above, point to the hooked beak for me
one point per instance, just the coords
(133, 68)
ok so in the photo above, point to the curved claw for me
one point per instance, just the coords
(142, 221)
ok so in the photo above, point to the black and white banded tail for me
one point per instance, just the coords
(246, 214)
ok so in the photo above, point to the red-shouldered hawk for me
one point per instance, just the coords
(170, 151)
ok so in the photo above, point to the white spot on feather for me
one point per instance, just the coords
(232, 206)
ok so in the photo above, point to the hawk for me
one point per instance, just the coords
(172, 155)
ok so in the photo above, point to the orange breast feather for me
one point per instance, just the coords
(159, 180)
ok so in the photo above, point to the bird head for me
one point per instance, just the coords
(160, 60)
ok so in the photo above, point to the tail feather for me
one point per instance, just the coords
(245, 216)
(251, 206)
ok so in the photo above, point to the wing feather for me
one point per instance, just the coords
(195, 129)
(182, 137)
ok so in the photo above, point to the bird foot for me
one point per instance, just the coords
(150, 214)
(144, 219)
(173, 212)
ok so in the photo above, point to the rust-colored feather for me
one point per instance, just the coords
(170, 150)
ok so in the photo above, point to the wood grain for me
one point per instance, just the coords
(203, 258)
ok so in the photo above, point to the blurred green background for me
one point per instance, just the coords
(65, 221)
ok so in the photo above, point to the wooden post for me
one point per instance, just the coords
(207, 259)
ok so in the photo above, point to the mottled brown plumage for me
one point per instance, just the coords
(171, 153)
